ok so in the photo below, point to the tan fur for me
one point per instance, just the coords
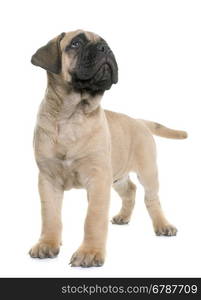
(163, 131)
(79, 145)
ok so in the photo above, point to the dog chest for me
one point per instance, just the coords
(69, 130)
(60, 172)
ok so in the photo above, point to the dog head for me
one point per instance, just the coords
(82, 59)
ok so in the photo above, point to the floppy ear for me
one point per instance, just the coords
(48, 57)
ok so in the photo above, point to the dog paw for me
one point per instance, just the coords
(165, 230)
(120, 220)
(87, 257)
(44, 250)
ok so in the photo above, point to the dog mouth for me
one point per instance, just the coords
(103, 73)
(96, 76)
(88, 70)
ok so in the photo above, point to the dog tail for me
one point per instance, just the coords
(160, 130)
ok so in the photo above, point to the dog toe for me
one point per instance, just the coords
(43, 250)
(165, 230)
(120, 220)
(86, 258)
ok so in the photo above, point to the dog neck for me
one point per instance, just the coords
(62, 99)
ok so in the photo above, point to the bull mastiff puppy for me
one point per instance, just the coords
(79, 145)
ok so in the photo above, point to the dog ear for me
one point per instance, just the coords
(48, 57)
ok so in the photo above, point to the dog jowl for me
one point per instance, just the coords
(77, 144)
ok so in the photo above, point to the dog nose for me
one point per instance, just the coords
(102, 47)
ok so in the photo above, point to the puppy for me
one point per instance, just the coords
(79, 145)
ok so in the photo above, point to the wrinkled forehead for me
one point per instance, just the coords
(70, 35)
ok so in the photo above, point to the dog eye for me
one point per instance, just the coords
(75, 44)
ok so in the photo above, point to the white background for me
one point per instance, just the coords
(158, 48)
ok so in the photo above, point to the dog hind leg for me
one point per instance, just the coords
(126, 189)
(148, 176)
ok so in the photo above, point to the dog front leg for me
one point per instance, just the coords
(92, 251)
(51, 204)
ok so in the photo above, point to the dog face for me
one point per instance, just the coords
(82, 59)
